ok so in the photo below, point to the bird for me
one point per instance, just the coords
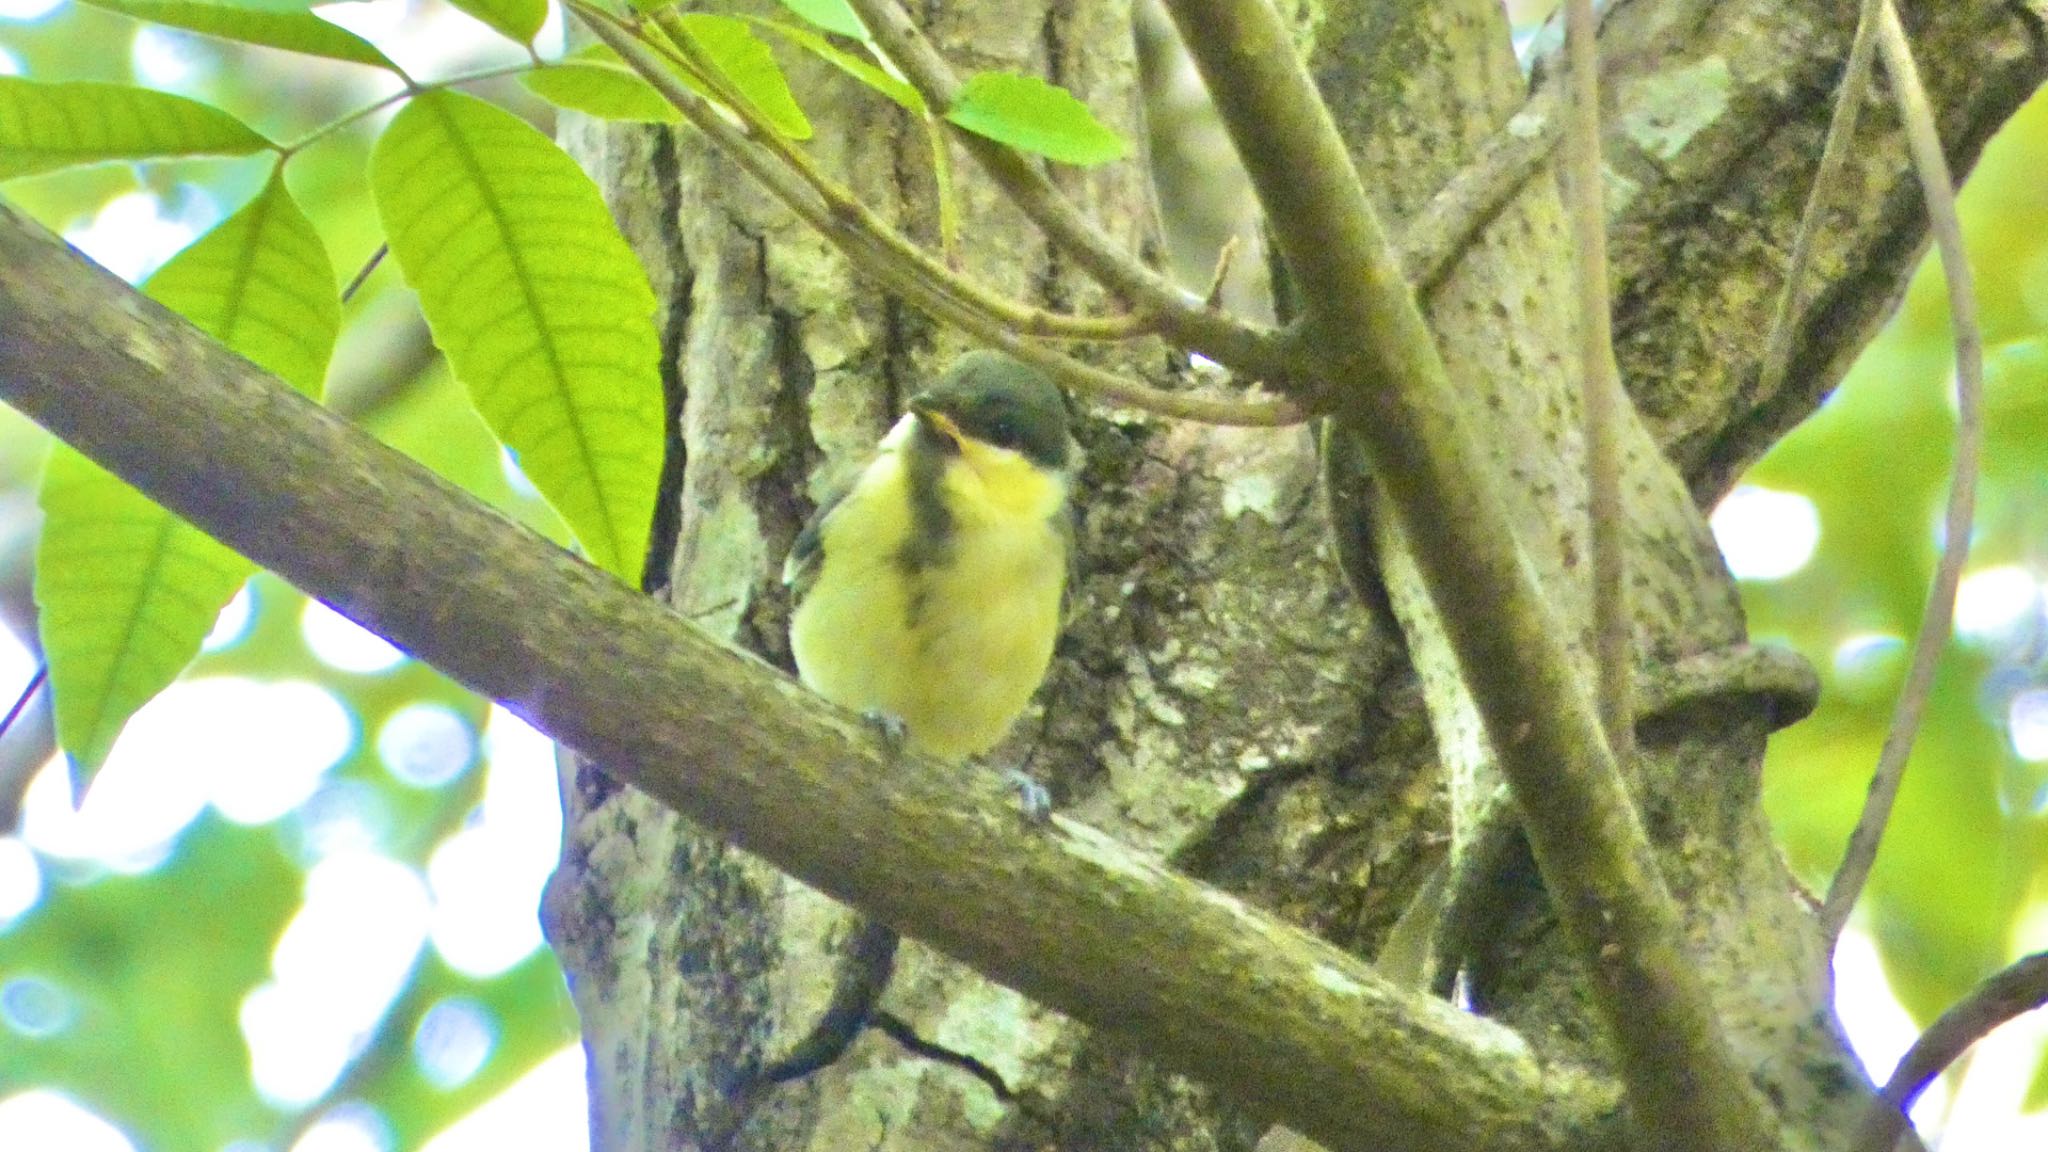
(929, 592)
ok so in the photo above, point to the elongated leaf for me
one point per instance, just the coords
(126, 591)
(831, 15)
(290, 27)
(1029, 114)
(606, 89)
(44, 127)
(515, 19)
(864, 71)
(751, 67)
(543, 311)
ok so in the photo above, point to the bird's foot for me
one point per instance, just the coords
(890, 727)
(1032, 798)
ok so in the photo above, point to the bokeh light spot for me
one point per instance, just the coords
(21, 880)
(34, 1007)
(350, 1127)
(1993, 603)
(343, 957)
(27, 10)
(426, 745)
(515, 476)
(1867, 661)
(41, 1120)
(1765, 534)
(343, 816)
(130, 236)
(272, 745)
(232, 625)
(163, 57)
(453, 1040)
(487, 878)
(546, 1108)
(2028, 721)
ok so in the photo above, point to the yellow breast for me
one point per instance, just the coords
(954, 648)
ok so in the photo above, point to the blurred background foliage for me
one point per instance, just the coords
(206, 958)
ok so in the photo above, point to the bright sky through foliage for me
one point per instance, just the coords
(1764, 534)
(1993, 602)
(344, 645)
(131, 236)
(27, 10)
(544, 1109)
(487, 877)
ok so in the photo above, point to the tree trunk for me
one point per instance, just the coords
(1225, 696)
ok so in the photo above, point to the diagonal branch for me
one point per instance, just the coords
(1939, 615)
(1385, 384)
(1600, 391)
(1294, 1027)
(2019, 989)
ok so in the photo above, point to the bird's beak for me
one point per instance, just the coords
(939, 422)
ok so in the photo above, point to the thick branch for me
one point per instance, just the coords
(1289, 1023)
(1396, 399)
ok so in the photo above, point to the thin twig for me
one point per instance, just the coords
(1834, 160)
(362, 276)
(2019, 989)
(412, 88)
(1251, 351)
(683, 49)
(1600, 392)
(1213, 298)
(1923, 139)
(869, 252)
(28, 693)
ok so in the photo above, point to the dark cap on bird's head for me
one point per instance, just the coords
(999, 400)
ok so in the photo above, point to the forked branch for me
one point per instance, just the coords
(1387, 387)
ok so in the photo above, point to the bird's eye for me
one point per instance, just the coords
(1003, 433)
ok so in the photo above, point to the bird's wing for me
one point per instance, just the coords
(807, 555)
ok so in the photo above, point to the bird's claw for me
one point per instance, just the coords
(890, 727)
(1032, 798)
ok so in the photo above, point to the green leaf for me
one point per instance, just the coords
(1033, 116)
(831, 15)
(44, 127)
(126, 591)
(606, 89)
(542, 309)
(286, 26)
(751, 67)
(898, 91)
(514, 19)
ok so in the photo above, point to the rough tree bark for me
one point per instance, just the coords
(1224, 698)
